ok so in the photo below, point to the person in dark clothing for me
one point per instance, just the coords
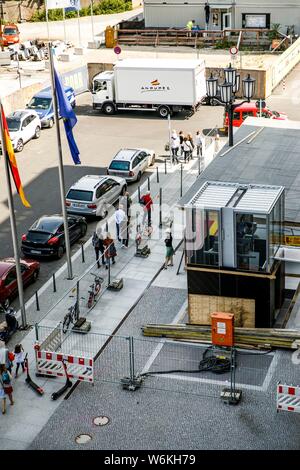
(98, 245)
(110, 250)
(169, 249)
(181, 138)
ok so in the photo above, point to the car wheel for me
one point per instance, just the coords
(139, 176)
(35, 275)
(163, 111)
(20, 145)
(60, 252)
(51, 123)
(37, 133)
(108, 108)
(83, 229)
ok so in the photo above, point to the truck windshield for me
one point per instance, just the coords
(39, 103)
(100, 85)
(119, 165)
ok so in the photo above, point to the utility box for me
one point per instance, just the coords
(222, 329)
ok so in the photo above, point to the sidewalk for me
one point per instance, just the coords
(30, 413)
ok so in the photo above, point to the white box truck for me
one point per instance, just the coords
(164, 86)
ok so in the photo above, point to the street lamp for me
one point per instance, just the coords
(228, 89)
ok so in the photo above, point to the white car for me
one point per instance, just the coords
(23, 126)
(131, 163)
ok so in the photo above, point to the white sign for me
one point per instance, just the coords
(73, 4)
(52, 4)
(221, 328)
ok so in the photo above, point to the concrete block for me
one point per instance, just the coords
(67, 57)
(5, 58)
(79, 50)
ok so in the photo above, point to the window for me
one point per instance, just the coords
(119, 165)
(25, 122)
(236, 115)
(205, 235)
(135, 162)
(103, 189)
(256, 20)
(112, 183)
(39, 103)
(11, 277)
(13, 124)
(142, 156)
(23, 268)
(100, 85)
(80, 195)
(251, 242)
(245, 114)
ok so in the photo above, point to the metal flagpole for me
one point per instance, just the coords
(92, 19)
(13, 223)
(79, 32)
(170, 149)
(47, 22)
(60, 165)
(64, 20)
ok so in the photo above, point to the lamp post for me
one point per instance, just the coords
(227, 91)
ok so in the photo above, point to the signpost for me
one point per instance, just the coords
(117, 50)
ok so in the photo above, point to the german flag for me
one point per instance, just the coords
(12, 161)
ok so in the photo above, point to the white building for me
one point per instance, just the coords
(223, 14)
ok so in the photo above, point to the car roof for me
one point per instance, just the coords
(88, 182)
(5, 265)
(248, 106)
(21, 114)
(47, 92)
(127, 154)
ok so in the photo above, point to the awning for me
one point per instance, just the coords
(220, 6)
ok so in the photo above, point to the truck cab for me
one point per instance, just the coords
(103, 92)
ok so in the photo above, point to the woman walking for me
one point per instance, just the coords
(110, 250)
(19, 356)
(169, 249)
(5, 387)
(187, 149)
(190, 139)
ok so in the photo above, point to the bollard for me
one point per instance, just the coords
(157, 175)
(108, 281)
(36, 327)
(199, 165)
(37, 301)
(165, 166)
(160, 204)
(148, 183)
(82, 254)
(106, 226)
(181, 177)
(54, 282)
(139, 193)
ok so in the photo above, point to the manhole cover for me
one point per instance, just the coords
(83, 438)
(101, 420)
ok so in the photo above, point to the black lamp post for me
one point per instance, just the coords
(227, 91)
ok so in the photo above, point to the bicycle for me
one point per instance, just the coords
(72, 315)
(95, 289)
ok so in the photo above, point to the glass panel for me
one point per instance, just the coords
(276, 231)
(206, 252)
(251, 242)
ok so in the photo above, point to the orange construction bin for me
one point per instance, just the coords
(110, 40)
(222, 329)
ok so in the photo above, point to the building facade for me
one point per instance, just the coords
(222, 14)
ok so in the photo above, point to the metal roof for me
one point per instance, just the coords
(213, 195)
(259, 199)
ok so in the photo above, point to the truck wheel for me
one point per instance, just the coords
(108, 108)
(163, 111)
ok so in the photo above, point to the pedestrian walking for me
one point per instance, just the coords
(187, 148)
(181, 137)
(217, 142)
(6, 358)
(169, 249)
(190, 139)
(198, 141)
(20, 358)
(121, 225)
(97, 242)
(5, 387)
(175, 142)
(147, 202)
(110, 249)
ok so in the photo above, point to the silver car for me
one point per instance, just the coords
(131, 163)
(93, 194)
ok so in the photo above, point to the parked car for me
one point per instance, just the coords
(8, 278)
(131, 163)
(46, 237)
(10, 34)
(42, 104)
(23, 126)
(92, 194)
(251, 109)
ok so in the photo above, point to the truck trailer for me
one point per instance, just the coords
(158, 85)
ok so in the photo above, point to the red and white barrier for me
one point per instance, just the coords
(288, 398)
(50, 363)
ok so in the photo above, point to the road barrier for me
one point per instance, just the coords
(288, 398)
(50, 363)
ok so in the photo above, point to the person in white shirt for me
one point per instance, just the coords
(198, 141)
(187, 149)
(175, 142)
(121, 220)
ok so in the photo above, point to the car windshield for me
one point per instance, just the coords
(9, 31)
(39, 103)
(49, 224)
(119, 165)
(13, 124)
(80, 195)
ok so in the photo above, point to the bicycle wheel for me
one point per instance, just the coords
(66, 323)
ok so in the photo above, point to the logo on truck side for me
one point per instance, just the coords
(154, 86)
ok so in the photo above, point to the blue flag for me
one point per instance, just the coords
(67, 113)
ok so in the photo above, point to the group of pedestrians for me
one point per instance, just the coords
(7, 359)
(184, 145)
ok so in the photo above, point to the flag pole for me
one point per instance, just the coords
(79, 32)
(64, 20)
(47, 22)
(60, 164)
(13, 223)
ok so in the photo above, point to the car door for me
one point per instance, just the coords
(143, 157)
(74, 229)
(25, 271)
(26, 133)
(136, 165)
(115, 190)
(10, 283)
(32, 125)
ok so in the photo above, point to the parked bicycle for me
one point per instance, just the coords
(95, 289)
(72, 315)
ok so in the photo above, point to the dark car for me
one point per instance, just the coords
(46, 236)
(8, 277)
